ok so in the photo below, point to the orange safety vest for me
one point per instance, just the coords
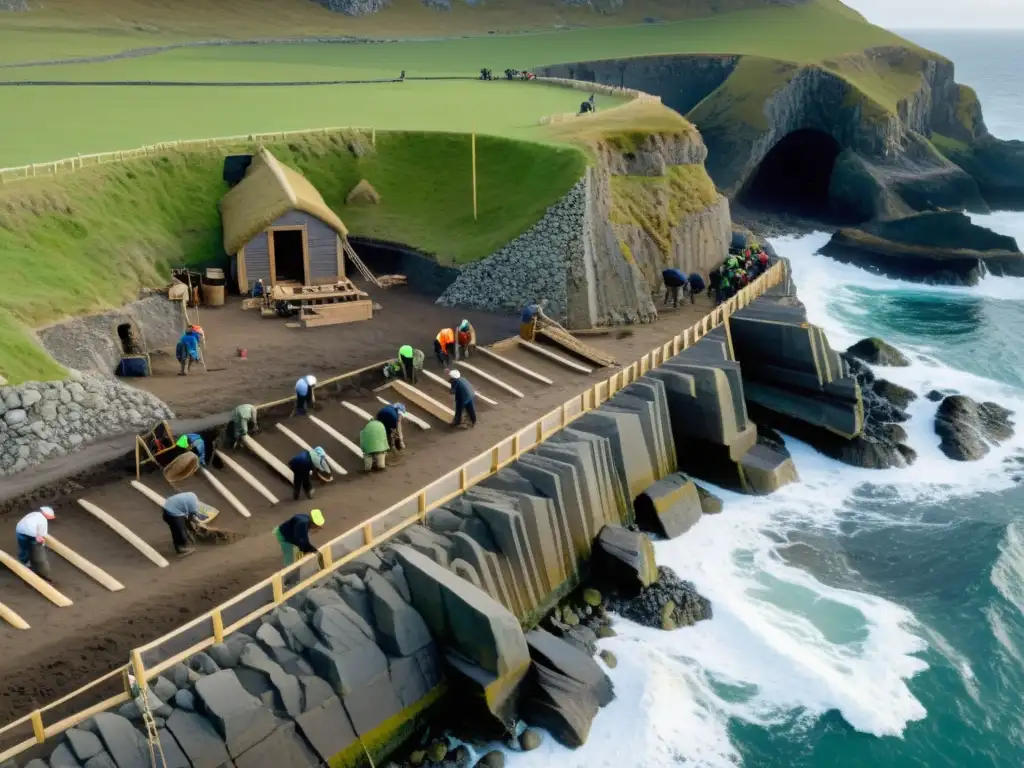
(446, 337)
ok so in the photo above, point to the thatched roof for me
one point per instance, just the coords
(269, 190)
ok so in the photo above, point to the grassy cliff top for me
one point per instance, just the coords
(627, 125)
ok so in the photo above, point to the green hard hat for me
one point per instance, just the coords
(405, 351)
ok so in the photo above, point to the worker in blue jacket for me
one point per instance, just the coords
(187, 351)
(674, 281)
(392, 416)
(462, 391)
(695, 286)
(194, 442)
(293, 534)
(303, 465)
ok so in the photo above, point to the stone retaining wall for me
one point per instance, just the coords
(41, 420)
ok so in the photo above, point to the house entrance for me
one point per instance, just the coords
(289, 256)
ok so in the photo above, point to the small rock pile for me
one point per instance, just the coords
(532, 267)
(40, 420)
(668, 603)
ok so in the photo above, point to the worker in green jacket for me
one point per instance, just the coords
(373, 440)
(411, 360)
(244, 420)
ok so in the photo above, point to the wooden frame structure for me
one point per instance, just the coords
(142, 446)
(366, 535)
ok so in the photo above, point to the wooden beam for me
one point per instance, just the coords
(270, 459)
(336, 435)
(12, 618)
(491, 378)
(424, 401)
(438, 380)
(538, 349)
(359, 411)
(515, 366)
(86, 567)
(243, 473)
(223, 491)
(38, 584)
(149, 493)
(124, 532)
(335, 466)
(408, 415)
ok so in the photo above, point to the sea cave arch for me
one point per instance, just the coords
(795, 176)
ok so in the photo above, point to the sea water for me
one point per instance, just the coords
(861, 617)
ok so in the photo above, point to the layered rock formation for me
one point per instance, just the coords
(967, 429)
(942, 247)
(597, 256)
(41, 420)
(928, 149)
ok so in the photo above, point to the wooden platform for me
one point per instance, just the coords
(335, 314)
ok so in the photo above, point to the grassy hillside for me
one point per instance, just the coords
(88, 240)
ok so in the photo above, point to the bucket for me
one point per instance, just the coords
(213, 295)
(213, 275)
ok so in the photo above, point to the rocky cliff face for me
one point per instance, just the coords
(887, 165)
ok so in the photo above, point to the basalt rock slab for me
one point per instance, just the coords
(610, 477)
(766, 470)
(567, 660)
(966, 428)
(327, 729)
(629, 453)
(287, 687)
(83, 743)
(240, 718)
(878, 352)
(548, 482)
(584, 458)
(501, 514)
(709, 503)
(624, 559)
(649, 422)
(562, 706)
(402, 630)
(198, 740)
(284, 747)
(102, 760)
(669, 507)
(174, 756)
(126, 746)
(63, 757)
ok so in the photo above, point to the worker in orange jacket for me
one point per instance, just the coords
(465, 340)
(444, 346)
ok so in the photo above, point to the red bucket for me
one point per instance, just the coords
(243, 353)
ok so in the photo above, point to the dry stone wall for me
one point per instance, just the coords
(42, 420)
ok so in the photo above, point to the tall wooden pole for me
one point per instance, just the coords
(472, 141)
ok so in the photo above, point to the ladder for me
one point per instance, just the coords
(152, 735)
(360, 266)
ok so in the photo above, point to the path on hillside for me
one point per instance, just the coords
(67, 647)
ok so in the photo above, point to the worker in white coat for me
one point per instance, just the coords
(32, 531)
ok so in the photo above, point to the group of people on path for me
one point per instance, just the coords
(738, 270)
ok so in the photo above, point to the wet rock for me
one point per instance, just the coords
(591, 597)
(936, 395)
(459, 757)
(669, 507)
(624, 559)
(709, 503)
(605, 632)
(493, 759)
(609, 659)
(203, 664)
(560, 705)
(899, 396)
(966, 427)
(437, 751)
(530, 739)
(878, 352)
(185, 700)
(565, 659)
(650, 607)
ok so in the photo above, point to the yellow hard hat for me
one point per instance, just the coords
(317, 517)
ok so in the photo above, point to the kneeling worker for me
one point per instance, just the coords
(304, 395)
(187, 350)
(465, 340)
(410, 360)
(444, 346)
(194, 442)
(293, 534)
(179, 510)
(303, 466)
(462, 391)
(391, 416)
(695, 285)
(674, 282)
(244, 419)
(31, 532)
(373, 440)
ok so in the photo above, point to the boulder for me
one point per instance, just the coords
(709, 503)
(321, 597)
(83, 743)
(556, 654)
(327, 728)
(127, 747)
(185, 700)
(198, 739)
(624, 559)
(402, 629)
(560, 705)
(899, 396)
(284, 747)
(315, 692)
(102, 760)
(239, 717)
(530, 739)
(289, 691)
(174, 756)
(966, 427)
(294, 629)
(493, 759)
(164, 689)
(669, 507)
(876, 351)
(668, 603)
(63, 757)
(268, 636)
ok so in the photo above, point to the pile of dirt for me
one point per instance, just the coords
(363, 193)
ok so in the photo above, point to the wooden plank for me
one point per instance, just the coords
(124, 532)
(357, 410)
(243, 473)
(38, 584)
(337, 435)
(149, 493)
(515, 366)
(12, 618)
(223, 491)
(335, 466)
(336, 314)
(410, 416)
(86, 567)
(438, 380)
(424, 401)
(270, 459)
(491, 378)
(538, 349)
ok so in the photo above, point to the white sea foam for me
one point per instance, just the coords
(783, 648)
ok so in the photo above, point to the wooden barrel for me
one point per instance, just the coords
(213, 295)
(214, 276)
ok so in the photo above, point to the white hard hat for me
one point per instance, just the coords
(48, 512)
(454, 374)
(311, 380)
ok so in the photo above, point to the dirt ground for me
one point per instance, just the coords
(66, 647)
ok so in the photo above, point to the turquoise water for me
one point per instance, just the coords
(862, 618)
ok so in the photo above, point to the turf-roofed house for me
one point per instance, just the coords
(279, 230)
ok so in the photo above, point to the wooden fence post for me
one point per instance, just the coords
(473, 152)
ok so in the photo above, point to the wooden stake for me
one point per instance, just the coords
(243, 473)
(554, 356)
(124, 532)
(270, 459)
(335, 466)
(88, 568)
(356, 450)
(38, 584)
(491, 378)
(473, 152)
(223, 491)
(12, 618)
(515, 366)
